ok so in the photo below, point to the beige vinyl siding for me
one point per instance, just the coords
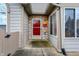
(19, 22)
(25, 29)
(2, 33)
(15, 17)
(71, 44)
(11, 44)
(30, 28)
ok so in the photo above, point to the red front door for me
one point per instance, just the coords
(36, 27)
(36, 34)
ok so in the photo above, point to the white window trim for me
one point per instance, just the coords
(75, 23)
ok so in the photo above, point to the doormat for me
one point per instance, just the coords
(40, 43)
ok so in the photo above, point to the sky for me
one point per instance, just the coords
(2, 15)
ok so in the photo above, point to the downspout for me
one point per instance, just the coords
(60, 28)
(62, 49)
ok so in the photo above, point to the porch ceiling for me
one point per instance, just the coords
(38, 8)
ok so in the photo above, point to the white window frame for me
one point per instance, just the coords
(55, 12)
(75, 23)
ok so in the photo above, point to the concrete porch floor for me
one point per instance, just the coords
(37, 52)
(29, 50)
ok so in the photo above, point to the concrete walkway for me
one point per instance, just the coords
(37, 52)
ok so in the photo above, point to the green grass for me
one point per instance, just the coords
(40, 43)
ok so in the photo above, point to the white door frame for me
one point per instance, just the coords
(40, 28)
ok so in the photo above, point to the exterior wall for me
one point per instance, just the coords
(30, 28)
(18, 22)
(17, 27)
(70, 44)
(12, 43)
(8, 45)
(55, 40)
(24, 29)
(15, 17)
(2, 33)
